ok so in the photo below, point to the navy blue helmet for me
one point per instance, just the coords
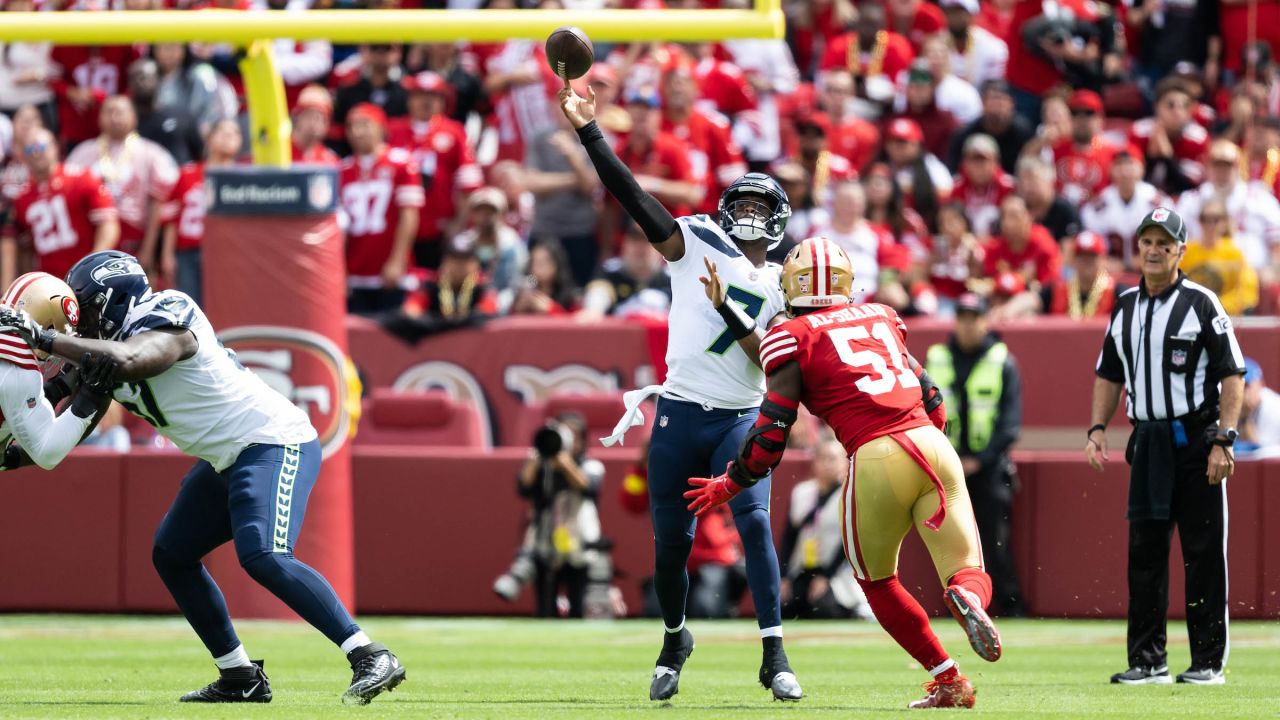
(107, 285)
(753, 208)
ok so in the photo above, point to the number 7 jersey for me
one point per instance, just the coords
(853, 359)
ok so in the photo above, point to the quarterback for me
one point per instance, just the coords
(258, 460)
(849, 365)
(714, 384)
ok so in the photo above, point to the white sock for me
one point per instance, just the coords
(775, 631)
(677, 628)
(358, 640)
(935, 672)
(234, 659)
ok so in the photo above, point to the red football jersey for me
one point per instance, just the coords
(888, 58)
(100, 69)
(667, 158)
(447, 163)
(317, 154)
(1039, 261)
(58, 218)
(374, 189)
(186, 206)
(1189, 147)
(715, 158)
(853, 359)
(1082, 171)
(982, 204)
(724, 86)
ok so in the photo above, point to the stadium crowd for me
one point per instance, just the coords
(1005, 147)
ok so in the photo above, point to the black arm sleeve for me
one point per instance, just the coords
(1008, 421)
(657, 223)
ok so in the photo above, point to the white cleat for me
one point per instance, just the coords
(785, 686)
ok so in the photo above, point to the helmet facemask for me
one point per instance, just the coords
(754, 208)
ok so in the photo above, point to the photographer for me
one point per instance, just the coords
(561, 484)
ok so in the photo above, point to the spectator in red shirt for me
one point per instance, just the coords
(915, 20)
(13, 169)
(715, 158)
(84, 77)
(921, 176)
(180, 257)
(851, 137)
(63, 215)
(871, 53)
(982, 184)
(1083, 161)
(312, 114)
(658, 159)
(439, 147)
(1173, 143)
(956, 256)
(1023, 247)
(824, 168)
(549, 287)
(936, 125)
(381, 195)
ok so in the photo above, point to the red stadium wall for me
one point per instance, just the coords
(434, 527)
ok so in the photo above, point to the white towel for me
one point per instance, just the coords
(633, 416)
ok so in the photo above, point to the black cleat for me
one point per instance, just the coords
(373, 669)
(676, 648)
(1143, 676)
(776, 675)
(242, 684)
(1202, 676)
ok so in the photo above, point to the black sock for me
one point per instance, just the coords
(772, 644)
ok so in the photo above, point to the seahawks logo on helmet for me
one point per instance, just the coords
(116, 267)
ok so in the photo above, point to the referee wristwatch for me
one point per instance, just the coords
(1226, 438)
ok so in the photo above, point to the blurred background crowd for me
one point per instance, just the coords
(1003, 147)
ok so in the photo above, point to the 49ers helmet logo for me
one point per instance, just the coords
(304, 366)
(71, 309)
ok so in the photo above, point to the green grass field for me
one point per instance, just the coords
(112, 667)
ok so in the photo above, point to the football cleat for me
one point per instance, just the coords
(1202, 676)
(241, 684)
(1143, 676)
(666, 674)
(777, 676)
(957, 692)
(373, 669)
(967, 610)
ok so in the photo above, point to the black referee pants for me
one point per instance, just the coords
(1199, 510)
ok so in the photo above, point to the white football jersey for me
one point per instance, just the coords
(704, 363)
(209, 405)
(27, 415)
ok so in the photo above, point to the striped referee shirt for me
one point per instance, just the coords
(1169, 351)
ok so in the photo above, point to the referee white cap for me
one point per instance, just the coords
(1167, 220)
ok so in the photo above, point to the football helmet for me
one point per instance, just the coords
(107, 285)
(47, 300)
(816, 274)
(753, 208)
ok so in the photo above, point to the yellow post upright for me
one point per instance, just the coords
(270, 128)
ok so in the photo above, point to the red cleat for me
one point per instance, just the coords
(967, 610)
(957, 692)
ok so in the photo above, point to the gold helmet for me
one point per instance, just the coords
(817, 273)
(48, 301)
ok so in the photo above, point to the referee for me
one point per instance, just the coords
(1171, 345)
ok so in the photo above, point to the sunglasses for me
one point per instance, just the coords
(35, 149)
(1206, 219)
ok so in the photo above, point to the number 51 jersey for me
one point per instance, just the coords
(209, 405)
(854, 363)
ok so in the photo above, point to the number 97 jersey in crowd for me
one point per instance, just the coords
(209, 405)
(854, 364)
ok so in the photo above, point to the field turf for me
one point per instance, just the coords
(55, 666)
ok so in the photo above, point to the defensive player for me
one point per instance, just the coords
(39, 435)
(849, 365)
(713, 387)
(259, 456)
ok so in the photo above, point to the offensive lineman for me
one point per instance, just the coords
(259, 457)
(849, 365)
(713, 387)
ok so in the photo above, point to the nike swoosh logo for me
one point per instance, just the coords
(744, 413)
(249, 692)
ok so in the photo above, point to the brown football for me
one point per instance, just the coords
(569, 52)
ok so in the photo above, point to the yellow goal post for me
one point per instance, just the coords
(264, 89)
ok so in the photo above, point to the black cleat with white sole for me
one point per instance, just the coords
(676, 648)
(1143, 675)
(776, 675)
(373, 670)
(242, 684)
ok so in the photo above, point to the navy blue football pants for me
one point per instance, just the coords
(689, 441)
(258, 503)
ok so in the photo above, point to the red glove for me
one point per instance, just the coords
(939, 417)
(710, 493)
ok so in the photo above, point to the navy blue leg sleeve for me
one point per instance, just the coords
(751, 515)
(673, 458)
(268, 487)
(196, 523)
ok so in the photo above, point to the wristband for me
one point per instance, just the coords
(1095, 428)
(590, 133)
(737, 322)
(44, 341)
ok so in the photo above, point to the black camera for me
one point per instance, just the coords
(551, 438)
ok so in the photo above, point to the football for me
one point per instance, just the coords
(569, 52)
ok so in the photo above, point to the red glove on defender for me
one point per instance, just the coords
(710, 493)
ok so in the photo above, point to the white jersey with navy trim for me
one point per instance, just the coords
(704, 363)
(209, 405)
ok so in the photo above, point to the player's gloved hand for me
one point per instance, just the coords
(939, 416)
(20, 323)
(11, 458)
(710, 493)
(97, 380)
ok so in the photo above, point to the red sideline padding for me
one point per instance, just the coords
(276, 297)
